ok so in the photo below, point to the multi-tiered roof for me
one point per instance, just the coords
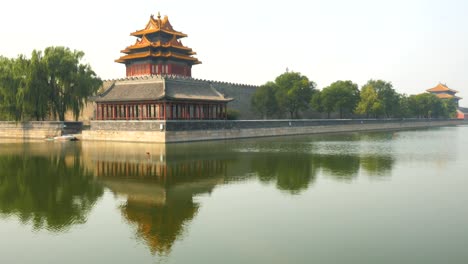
(443, 92)
(158, 50)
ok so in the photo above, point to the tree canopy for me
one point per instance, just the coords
(48, 84)
(294, 92)
(341, 96)
(386, 103)
(264, 100)
(290, 93)
(369, 103)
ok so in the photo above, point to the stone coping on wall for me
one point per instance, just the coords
(199, 130)
(38, 129)
(191, 125)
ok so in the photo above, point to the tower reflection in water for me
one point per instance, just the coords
(160, 182)
(159, 193)
(54, 186)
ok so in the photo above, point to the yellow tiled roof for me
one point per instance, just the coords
(441, 88)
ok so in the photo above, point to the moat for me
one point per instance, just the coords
(381, 197)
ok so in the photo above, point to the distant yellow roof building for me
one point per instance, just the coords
(443, 92)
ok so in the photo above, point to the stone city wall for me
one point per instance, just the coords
(182, 131)
(242, 95)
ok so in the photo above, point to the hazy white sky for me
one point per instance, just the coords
(412, 43)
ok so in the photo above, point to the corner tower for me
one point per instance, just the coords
(158, 50)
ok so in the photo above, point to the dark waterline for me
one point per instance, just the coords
(383, 197)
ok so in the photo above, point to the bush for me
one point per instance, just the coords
(232, 114)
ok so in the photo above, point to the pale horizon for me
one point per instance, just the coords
(415, 45)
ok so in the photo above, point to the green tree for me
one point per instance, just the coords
(12, 86)
(404, 109)
(428, 105)
(294, 92)
(316, 102)
(264, 101)
(388, 99)
(37, 101)
(53, 83)
(369, 103)
(450, 108)
(341, 96)
(69, 81)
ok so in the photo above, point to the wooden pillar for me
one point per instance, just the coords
(128, 112)
(148, 116)
(171, 114)
(141, 112)
(189, 111)
(225, 111)
(118, 112)
(158, 112)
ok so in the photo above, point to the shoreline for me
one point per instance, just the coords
(201, 130)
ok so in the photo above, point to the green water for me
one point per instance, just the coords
(386, 197)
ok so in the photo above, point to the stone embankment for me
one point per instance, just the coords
(39, 129)
(183, 131)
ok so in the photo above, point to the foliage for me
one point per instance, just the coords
(341, 96)
(294, 92)
(378, 98)
(387, 96)
(369, 103)
(232, 114)
(428, 105)
(12, 86)
(45, 85)
(70, 82)
(47, 191)
(264, 101)
(37, 91)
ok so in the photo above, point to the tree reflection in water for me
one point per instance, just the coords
(46, 186)
(160, 188)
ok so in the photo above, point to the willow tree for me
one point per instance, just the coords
(69, 82)
(12, 86)
(36, 97)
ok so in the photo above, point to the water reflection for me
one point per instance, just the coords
(46, 185)
(54, 186)
(159, 190)
(159, 182)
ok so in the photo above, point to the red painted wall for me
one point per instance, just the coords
(147, 69)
